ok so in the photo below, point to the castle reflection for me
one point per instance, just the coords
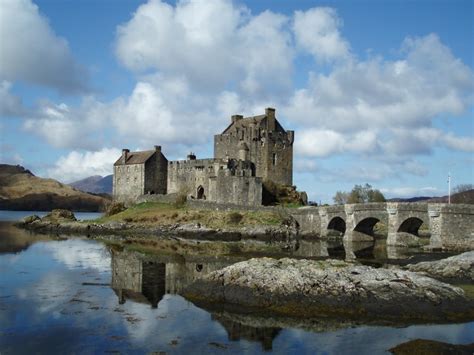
(147, 278)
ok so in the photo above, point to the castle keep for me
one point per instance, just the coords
(249, 151)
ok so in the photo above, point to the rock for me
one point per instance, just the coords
(431, 347)
(332, 287)
(31, 219)
(115, 207)
(59, 214)
(455, 267)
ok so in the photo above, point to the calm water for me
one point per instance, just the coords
(18, 215)
(77, 296)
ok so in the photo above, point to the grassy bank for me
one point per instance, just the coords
(162, 214)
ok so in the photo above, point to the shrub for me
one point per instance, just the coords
(235, 217)
(114, 208)
(180, 200)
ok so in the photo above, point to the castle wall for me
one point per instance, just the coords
(270, 146)
(128, 182)
(239, 190)
(186, 176)
(156, 174)
(279, 158)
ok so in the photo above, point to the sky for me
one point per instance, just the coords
(378, 92)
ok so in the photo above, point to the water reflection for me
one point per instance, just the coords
(147, 279)
(77, 296)
(14, 240)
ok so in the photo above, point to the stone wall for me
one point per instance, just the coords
(267, 144)
(239, 190)
(156, 174)
(186, 176)
(128, 182)
(451, 226)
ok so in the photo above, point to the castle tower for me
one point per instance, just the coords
(269, 146)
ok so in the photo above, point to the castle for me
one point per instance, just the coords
(250, 150)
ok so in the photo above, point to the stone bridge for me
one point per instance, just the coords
(450, 226)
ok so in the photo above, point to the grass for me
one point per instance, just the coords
(156, 213)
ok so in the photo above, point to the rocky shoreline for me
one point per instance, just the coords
(332, 288)
(59, 222)
(459, 267)
(299, 287)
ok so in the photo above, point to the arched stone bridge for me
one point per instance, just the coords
(451, 226)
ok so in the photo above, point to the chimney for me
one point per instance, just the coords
(270, 113)
(125, 155)
(158, 148)
(191, 156)
(236, 118)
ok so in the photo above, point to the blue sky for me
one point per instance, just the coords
(377, 91)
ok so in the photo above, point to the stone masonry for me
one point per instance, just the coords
(249, 151)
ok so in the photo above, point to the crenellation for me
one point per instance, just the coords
(250, 150)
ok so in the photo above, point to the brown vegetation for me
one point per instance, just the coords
(21, 190)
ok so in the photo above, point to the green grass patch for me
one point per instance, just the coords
(157, 213)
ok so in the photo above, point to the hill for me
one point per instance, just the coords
(460, 197)
(94, 184)
(20, 189)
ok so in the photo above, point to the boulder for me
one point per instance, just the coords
(455, 267)
(31, 219)
(332, 288)
(59, 215)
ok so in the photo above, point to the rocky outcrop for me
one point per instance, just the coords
(431, 347)
(459, 267)
(285, 235)
(332, 288)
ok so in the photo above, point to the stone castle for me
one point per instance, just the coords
(249, 151)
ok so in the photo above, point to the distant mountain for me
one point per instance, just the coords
(460, 197)
(20, 189)
(411, 199)
(95, 184)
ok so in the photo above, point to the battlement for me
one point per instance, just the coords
(249, 150)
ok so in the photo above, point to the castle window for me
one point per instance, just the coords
(274, 159)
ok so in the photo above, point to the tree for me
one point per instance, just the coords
(340, 198)
(463, 188)
(359, 194)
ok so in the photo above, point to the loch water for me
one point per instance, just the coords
(76, 295)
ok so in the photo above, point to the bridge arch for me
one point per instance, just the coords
(337, 224)
(410, 225)
(366, 226)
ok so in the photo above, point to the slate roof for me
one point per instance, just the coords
(252, 119)
(136, 158)
(246, 121)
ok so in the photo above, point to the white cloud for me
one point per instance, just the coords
(397, 101)
(198, 62)
(10, 105)
(211, 43)
(31, 51)
(317, 31)
(78, 165)
(70, 127)
(322, 143)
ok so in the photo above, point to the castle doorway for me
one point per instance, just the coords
(200, 193)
